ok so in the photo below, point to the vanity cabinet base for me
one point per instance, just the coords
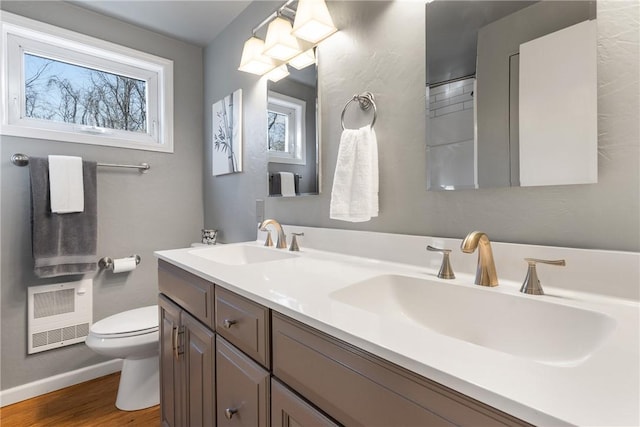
(226, 360)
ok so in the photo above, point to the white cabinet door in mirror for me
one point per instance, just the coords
(558, 114)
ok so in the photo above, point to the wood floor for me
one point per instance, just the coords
(88, 404)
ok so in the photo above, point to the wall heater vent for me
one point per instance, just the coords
(59, 315)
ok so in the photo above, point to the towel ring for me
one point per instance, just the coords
(366, 101)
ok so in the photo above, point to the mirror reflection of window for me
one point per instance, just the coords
(292, 131)
(286, 129)
(277, 129)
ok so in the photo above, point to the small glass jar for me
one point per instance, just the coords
(209, 237)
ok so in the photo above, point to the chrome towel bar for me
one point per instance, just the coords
(20, 159)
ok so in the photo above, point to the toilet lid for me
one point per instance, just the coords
(143, 320)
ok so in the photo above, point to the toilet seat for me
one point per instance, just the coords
(139, 321)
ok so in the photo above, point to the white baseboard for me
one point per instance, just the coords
(57, 382)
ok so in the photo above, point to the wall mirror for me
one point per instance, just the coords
(511, 93)
(292, 134)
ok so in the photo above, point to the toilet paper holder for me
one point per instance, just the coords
(106, 263)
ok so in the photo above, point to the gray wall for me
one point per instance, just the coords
(136, 213)
(380, 48)
(229, 200)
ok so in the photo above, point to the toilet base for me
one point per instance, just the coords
(139, 384)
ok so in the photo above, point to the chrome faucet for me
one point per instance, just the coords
(282, 238)
(486, 274)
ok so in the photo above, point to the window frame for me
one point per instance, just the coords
(296, 132)
(22, 35)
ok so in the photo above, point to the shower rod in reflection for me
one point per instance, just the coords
(19, 159)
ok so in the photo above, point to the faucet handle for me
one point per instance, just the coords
(531, 284)
(294, 242)
(446, 271)
(268, 241)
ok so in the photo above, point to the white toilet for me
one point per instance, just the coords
(133, 336)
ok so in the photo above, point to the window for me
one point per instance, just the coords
(286, 129)
(64, 86)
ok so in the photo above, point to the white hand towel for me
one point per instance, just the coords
(354, 196)
(287, 184)
(66, 186)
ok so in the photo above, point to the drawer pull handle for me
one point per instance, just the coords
(227, 323)
(228, 413)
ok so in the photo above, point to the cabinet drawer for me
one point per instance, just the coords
(243, 323)
(191, 292)
(289, 410)
(242, 387)
(357, 388)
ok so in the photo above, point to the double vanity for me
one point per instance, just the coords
(357, 329)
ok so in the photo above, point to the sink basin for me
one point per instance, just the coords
(526, 327)
(241, 254)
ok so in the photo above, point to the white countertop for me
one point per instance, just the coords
(602, 390)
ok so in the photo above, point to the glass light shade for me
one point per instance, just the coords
(280, 43)
(253, 60)
(278, 73)
(313, 21)
(303, 60)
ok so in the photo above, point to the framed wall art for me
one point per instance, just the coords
(227, 135)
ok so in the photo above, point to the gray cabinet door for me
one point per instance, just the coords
(170, 372)
(199, 362)
(242, 387)
(289, 410)
(187, 369)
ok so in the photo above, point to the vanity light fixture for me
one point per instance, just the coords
(278, 73)
(313, 21)
(253, 60)
(303, 60)
(286, 44)
(280, 43)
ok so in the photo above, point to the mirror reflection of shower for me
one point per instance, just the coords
(482, 131)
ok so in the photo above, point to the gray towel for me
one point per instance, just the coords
(63, 244)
